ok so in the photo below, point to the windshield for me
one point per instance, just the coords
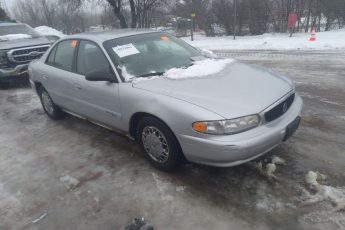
(149, 54)
(18, 29)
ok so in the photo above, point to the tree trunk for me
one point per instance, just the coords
(328, 23)
(122, 19)
(133, 14)
(116, 5)
(308, 17)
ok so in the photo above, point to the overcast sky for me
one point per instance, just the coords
(8, 3)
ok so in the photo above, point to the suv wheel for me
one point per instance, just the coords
(159, 144)
(52, 110)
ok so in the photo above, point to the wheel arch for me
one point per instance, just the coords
(38, 87)
(136, 117)
(134, 121)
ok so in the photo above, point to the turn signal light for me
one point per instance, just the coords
(200, 127)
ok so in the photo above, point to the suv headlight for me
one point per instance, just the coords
(226, 127)
(3, 58)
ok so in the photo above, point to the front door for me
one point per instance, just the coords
(99, 99)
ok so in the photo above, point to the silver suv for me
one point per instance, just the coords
(19, 44)
(176, 103)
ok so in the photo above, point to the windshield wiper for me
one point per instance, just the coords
(152, 74)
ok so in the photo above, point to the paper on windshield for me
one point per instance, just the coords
(125, 50)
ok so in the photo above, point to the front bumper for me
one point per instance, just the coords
(231, 150)
(17, 71)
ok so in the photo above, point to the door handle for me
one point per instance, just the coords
(76, 86)
(45, 77)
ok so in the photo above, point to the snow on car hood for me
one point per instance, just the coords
(10, 44)
(14, 37)
(235, 90)
(198, 69)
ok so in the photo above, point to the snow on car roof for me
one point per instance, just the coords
(108, 35)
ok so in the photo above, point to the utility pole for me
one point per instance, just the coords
(192, 15)
(235, 17)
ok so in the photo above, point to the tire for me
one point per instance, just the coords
(4, 85)
(52, 110)
(159, 144)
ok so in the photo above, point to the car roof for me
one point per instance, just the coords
(108, 35)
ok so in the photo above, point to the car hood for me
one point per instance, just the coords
(238, 90)
(19, 43)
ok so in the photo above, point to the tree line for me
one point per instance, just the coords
(252, 16)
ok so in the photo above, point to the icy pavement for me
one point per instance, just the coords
(71, 174)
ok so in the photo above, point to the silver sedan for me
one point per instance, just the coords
(176, 102)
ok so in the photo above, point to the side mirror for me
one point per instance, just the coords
(100, 75)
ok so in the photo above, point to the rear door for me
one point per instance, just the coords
(58, 77)
(99, 99)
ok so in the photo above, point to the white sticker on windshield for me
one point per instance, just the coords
(125, 50)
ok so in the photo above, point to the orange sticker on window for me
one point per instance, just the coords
(74, 43)
(165, 38)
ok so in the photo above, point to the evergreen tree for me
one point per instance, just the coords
(3, 14)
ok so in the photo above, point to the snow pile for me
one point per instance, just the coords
(198, 69)
(269, 204)
(331, 199)
(322, 192)
(126, 75)
(300, 41)
(14, 36)
(46, 30)
(268, 169)
(10, 205)
(69, 181)
(180, 188)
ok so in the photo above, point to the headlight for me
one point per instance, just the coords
(224, 127)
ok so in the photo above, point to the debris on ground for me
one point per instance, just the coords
(69, 181)
(139, 224)
(40, 218)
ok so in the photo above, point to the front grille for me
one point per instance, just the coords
(27, 54)
(280, 109)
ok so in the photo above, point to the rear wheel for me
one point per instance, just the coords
(159, 144)
(52, 110)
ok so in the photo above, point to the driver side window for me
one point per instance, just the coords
(91, 58)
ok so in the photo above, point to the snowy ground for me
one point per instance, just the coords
(325, 41)
(71, 174)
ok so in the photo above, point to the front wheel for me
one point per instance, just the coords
(159, 144)
(52, 110)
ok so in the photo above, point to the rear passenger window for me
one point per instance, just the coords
(91, 58)
(64, 54)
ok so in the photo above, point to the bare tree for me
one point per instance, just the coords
(61, 14)
(117, 6)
